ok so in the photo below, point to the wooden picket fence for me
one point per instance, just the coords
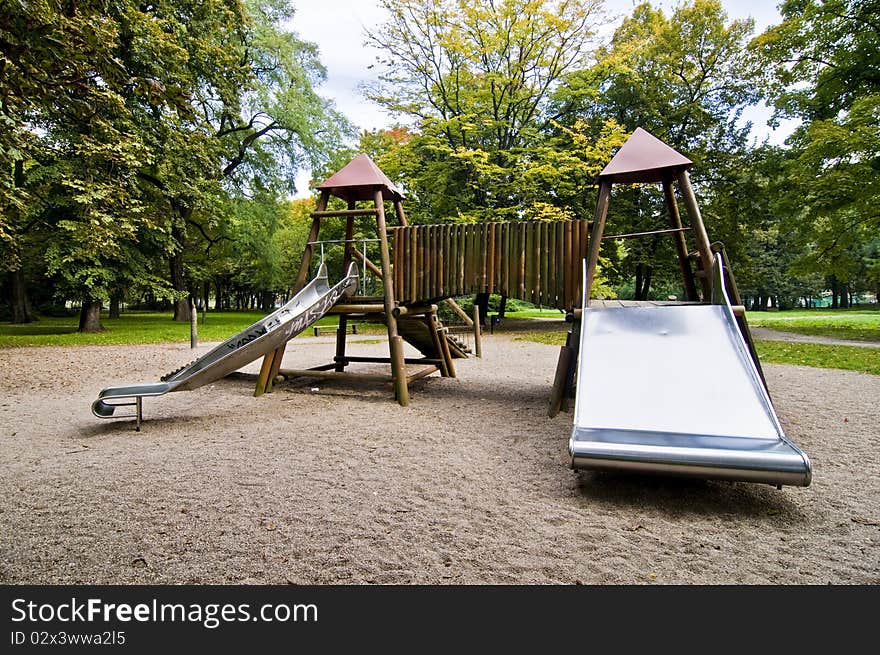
(536, 261)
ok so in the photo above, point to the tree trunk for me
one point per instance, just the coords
(834, 292)
(646, 283)
(638, 288)
(175, 264)
(90, 316)
(178, 283)
(114, 307)
(21, 305)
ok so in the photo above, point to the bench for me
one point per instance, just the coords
(351, 328)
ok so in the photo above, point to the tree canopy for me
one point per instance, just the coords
(148, 151)
(131, 127)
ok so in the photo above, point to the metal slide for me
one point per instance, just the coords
(253, 342)
(673, 390)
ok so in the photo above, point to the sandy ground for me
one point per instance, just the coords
(340, 485)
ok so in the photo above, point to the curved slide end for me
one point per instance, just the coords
(126, 396)
(102, 409)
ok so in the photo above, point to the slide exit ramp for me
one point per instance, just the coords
(673, 390)
(264, 336)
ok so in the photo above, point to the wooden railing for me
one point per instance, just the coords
(536, 261)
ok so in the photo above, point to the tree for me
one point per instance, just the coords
(250, 116)
(684, 77)
(476, 79)
(130, 125)
(70, 145)
(823, 66)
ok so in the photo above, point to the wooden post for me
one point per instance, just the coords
(398, 366)
(557, 392)
(401, 216)
(277, 356)
(596, 235)
(461, 313)
(684, 263)
(313, 235)
(431, 323)
(447, 354)
(265, 370)
(342, 327)
(570, 273)
(478, 338)
(704, 246)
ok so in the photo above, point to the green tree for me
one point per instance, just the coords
(251, 116)
(128, 126)
(685, 77)
(476, 80)
(70, 146)
(823, 67)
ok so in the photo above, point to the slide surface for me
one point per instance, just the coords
(673, 390)
(261, 338)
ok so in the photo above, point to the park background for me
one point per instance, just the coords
(162, 155)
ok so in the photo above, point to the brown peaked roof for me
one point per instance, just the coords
(644, 158)
(358, 180)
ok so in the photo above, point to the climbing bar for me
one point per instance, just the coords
(344, 213)
(635, 235)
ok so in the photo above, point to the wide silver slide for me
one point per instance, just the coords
(264, 336)
(673, 390)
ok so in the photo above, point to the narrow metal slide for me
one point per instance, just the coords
(264, 336)
(673, 390)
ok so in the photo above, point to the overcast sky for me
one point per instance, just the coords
(338, 27)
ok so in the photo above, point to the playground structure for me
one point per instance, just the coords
(422, 266)
(721, 425)
(297, 314)
(639, 404)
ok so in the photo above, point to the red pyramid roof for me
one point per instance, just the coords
(644, 158)
(359, 179)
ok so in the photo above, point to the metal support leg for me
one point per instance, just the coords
(138, 413)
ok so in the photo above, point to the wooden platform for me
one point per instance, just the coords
(609, 304)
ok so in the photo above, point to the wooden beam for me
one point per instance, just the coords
(263, 377)
(387, 360)
(313, 236)
(351, 212)
(401, 216)
(596, 235)
(276, 365)
(455, 307)
(375, 270)
(398, 367)
(335, 375)
(478, 337)
(690, 289)
(356, 309)
(425, 372)
(704, 247)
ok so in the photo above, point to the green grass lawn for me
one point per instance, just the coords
(849, 324)
(136, 328)
(142, 328)
(852, 358)
(536, 313)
